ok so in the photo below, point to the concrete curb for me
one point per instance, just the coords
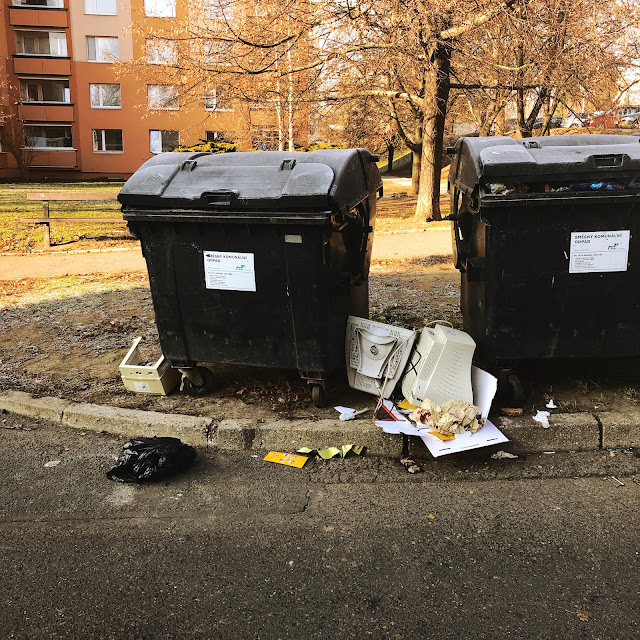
(567, 432)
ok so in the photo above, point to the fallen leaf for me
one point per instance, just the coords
(583, 614)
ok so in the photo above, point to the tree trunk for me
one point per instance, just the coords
(436, 98)
(416, 165)
(390, 153)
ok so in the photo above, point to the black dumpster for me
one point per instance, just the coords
(545, 234)
(255, 258)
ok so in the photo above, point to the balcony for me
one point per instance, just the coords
(56, 159)
(41, 65)
(43, 112)
(37, 17)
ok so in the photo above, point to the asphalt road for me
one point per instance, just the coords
(542, 547)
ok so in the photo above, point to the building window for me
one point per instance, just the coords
(160, 8)
(47, 137)
(41, 43)
(219, 9)
(163, 140)
(100, 7)
(107, 139)
(57, 4)
(213, 101)
(215, 136)
(216, 52)
(44, 91)
(102, 49)
(105, 96)
(162, 51)
(162, 96)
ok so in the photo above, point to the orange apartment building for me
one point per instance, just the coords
(80, 118)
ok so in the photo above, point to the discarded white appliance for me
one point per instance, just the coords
(440, 367)
(154, 378)
(376, 355)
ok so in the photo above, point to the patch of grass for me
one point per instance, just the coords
(16, 236)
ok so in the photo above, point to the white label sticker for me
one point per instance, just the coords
(141, 386)
(599, 251)
(229, 271)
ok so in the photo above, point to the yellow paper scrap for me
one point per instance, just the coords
(405, 404)
(358, 449)
(329, 452)
(431, 516)
(288, 459)
(441, 436)
(305, 450)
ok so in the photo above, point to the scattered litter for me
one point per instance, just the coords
(331, 452)
(342, 451)
(620, 484)
(453, 417)
(551, 404)
(484, 389)
(411, 465)
(52, 463)
(406, 405)
(583, 614)
(440, 366)
(624, 451)
(431, 516)
(392, 421)
(636, 479)
(376, 355)
(176, 497)
(152, 378)
(441, 436)
(503, 455)
(154, 458)
(512, 412)
(543, 418)
(346, 413)
(548, 452)
(288, 459)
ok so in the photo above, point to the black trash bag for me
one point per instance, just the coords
(154, 458)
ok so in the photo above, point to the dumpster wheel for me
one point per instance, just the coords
(516, 388)
(317, 394)
(197, 381)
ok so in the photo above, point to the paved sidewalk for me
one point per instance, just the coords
(41, 265)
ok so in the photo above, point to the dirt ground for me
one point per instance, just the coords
(66, 337)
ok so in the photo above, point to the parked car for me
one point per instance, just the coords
(630, 121)
(579, 119)
(611, 119)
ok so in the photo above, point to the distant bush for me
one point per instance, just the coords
(211, 147)
(319, 145)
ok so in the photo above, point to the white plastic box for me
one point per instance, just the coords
(155, 379)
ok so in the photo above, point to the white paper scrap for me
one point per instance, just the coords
(551, 404)
(347, 413)
(503, 455)
(396, 422)
(543, 418)
(488, 435)
(484, 389)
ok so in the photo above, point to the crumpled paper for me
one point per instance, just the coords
(453, 417)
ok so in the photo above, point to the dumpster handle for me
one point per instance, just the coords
(219, 196)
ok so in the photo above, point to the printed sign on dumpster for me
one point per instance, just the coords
(599, 251)
(229, 271)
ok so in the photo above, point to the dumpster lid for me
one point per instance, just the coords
(335, 178)
(489, 159)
